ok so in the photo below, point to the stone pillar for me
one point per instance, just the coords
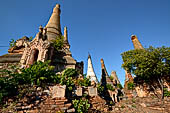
(66, 43)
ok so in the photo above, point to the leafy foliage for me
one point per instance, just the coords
(12, 43)
(8, 87)
(58, 43)
(119, 86)
(38, 74)
(110, 87)
(151, 65)
(131, 86)
(166, 93)
(148, 63)
(100, 88)
(81, 106)
(68, 78)
(111, 78)
(84, 82)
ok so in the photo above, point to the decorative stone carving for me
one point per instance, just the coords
(19, 45)
(36, 51)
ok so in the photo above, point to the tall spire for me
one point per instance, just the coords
(53, 25)
(136, 43)
(66, 43)
(90, 71)
(105, 77)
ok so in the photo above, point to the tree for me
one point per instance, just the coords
(151, 65)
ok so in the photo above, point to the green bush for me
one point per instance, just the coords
(58, 43)
(85, 82)
(81, 106)
(100, 89)
(39, 74)
(131, 86)
(166, 92)
(68, 78)
(119, 86)
(111, 78)
(110, 87)
(8, 87)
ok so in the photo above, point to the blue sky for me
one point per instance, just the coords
(100, 27)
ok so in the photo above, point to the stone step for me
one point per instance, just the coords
(67, 105)
(61, 100)
(72, 110)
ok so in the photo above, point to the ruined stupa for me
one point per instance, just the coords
(128, 76)
(41, 48)
(105, 79)
(90, 71)
(115, 78)
(136, 42)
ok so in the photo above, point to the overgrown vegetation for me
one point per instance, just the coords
(151, 66)
(81, 105)
(131, 86)
(38, 74)
(12, 43)
(166, 92)
(68, 78)
(110, 87)
(111, 77)
(119, 86)
(84, 82)
(100, 88)
(58, 42)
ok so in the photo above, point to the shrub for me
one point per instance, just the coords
(58, 43)
(40, 73)
(81, 106)
(166, 92)
(110, 87)
(100, 89)
(85, 82)
(131, 86)
(111, 78)
(119, 86)
(68, 78)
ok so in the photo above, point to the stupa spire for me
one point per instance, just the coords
(105, 77)
(90, 71)
(136, 43)
(53, 26)
(115, 78)
(66, 43)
